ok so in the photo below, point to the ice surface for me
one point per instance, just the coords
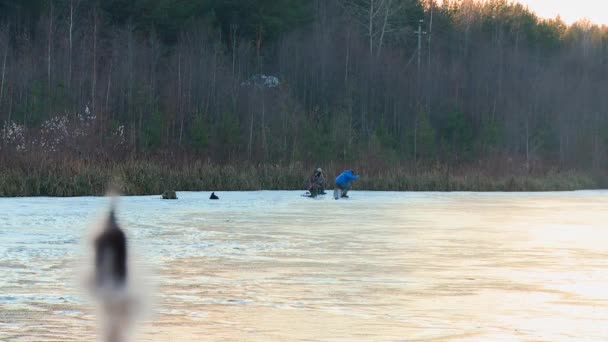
(273, 265)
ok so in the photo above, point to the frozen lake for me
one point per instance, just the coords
(275, 266)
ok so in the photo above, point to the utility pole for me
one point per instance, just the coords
(419, 33)
(418, 90)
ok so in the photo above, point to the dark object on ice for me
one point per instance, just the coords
(213, 196)
(169, 194)
(111, 255)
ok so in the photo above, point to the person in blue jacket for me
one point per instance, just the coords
(343, 183)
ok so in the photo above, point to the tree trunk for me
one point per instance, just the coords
(250, 145)
(234, 29)
(94, 63)
(527, 145)
(264, 143)
(416, 140)
(70, 31)
(179, 97)
(384, 24)
(370, 30)
(347, 58)
(49, 47)
(109, 85)
(3, 73)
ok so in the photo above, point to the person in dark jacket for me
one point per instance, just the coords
(316, 183)
(343, 183)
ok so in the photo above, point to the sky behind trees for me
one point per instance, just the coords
(570, 11)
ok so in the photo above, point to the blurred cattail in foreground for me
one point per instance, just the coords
(111, 283)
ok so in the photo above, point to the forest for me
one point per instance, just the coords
(253, 94)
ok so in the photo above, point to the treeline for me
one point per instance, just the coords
(383, 82)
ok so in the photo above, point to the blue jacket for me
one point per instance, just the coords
(345, 178)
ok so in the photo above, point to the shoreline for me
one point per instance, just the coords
(322, 196)
(73, 177)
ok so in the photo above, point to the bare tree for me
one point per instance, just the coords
(73, 7)
(50, 43)
(94, 61)
(378, 19)
(4, 41)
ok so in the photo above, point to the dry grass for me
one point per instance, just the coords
(31, 175)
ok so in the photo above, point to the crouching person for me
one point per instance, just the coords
(316, 183)
(343, 183)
